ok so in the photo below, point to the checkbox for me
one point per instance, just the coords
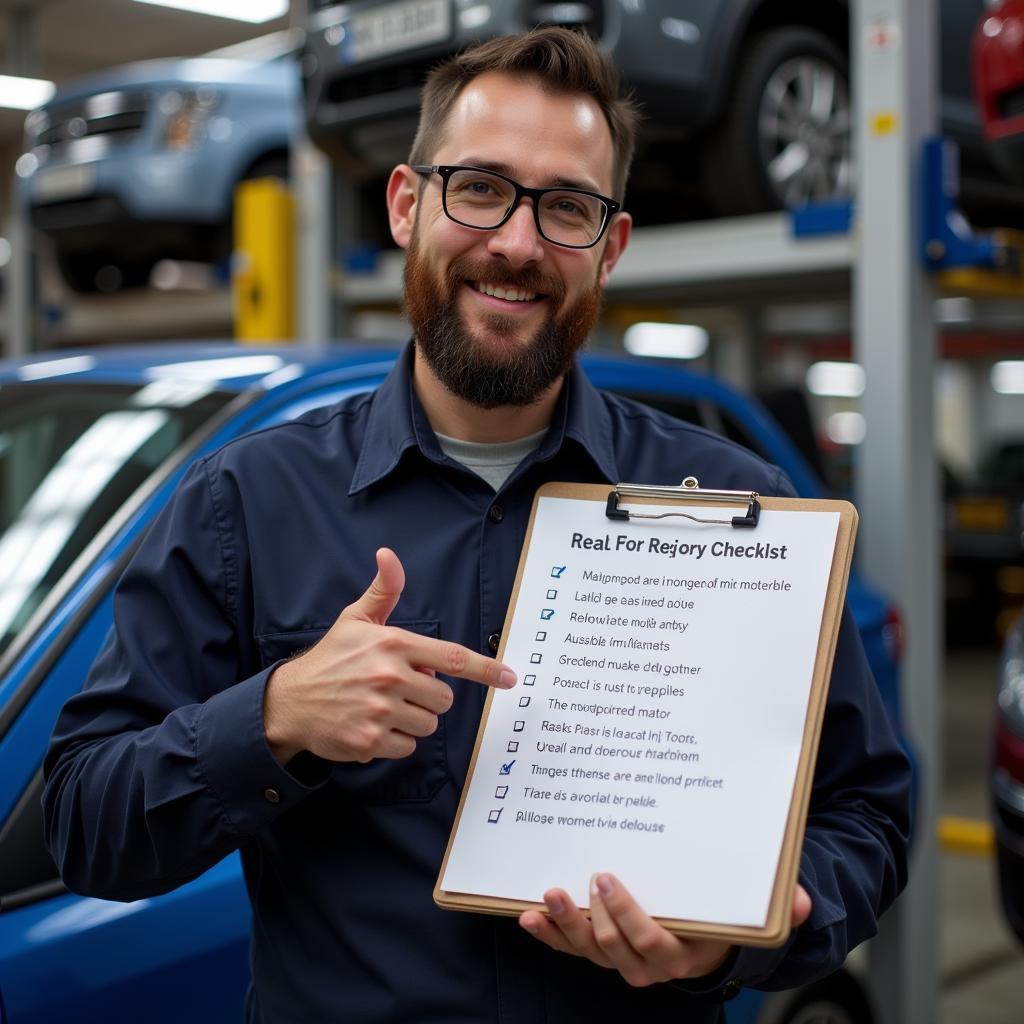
(524, 702)
(557, 570)
(534, 659)
(518, 726)
(513, 746)
(530, 680)
(501, 792)
(495, 815)
(552, 594)
(542, 634)
(547, 614)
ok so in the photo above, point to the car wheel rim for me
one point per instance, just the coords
(804, 131)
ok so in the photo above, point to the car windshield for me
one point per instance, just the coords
(71, 455)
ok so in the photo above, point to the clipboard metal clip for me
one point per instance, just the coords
(691, 490)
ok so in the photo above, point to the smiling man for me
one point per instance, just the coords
(233, 707)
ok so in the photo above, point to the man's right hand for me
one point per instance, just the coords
(368, 690)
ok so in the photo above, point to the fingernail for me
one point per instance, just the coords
(556, 905)
(531, 928)
(604, 885)
(507, 678)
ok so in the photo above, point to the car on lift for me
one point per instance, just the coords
(997, 56)
(747, 103)
(138, 164)
(92, 444)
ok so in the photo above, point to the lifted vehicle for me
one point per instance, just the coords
(746, 103)
(92, 444)
(140, 163)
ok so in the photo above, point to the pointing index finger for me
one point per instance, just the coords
(455, 660)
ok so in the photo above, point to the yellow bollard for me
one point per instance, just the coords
(263, 265)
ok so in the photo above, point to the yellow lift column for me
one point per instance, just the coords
(263, 266)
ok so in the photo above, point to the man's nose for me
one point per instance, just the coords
(518, 239)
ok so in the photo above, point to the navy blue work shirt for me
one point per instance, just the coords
(160, 767)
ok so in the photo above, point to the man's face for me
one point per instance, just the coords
(488, 350)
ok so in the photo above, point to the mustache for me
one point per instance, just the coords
(529, 280)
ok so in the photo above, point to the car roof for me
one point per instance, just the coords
(196, 71)
(226, 366)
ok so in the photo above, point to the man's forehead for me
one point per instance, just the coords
(517, 122)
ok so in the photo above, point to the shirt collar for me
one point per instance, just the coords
(397, 422)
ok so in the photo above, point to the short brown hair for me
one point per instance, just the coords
(560, 59)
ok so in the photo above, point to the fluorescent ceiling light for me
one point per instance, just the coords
(254, 11)
(670, 341)
(836, 380)
(24, 93)
(1008, 377)
(846, 427)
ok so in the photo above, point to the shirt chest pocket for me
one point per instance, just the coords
(416, 778)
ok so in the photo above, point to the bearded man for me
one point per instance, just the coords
(234, 708)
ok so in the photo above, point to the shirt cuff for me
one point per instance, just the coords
(236, 762)
(744, 967)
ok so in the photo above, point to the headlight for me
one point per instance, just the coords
(185, 115)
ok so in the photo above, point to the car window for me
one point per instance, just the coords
(71, 454)
(703, 412)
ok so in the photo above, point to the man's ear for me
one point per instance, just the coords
(615, 244)
(403, 191)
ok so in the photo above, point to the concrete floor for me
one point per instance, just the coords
(982, 967)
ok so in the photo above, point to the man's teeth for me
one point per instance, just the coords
(512, 294)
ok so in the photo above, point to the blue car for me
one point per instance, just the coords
(92, 444)
(140, 163)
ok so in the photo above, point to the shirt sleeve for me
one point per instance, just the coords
(160, 767)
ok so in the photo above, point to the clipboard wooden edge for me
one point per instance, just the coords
(776, 928)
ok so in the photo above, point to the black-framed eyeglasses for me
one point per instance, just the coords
(482, 199)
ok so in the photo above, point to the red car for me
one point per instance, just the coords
(998, 62)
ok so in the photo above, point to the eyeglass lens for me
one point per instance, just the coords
(481, 200)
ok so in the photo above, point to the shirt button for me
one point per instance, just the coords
(496, 514)
(272, 796)
(731, 989)
(493, 641)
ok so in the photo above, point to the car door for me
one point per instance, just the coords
(66, 957)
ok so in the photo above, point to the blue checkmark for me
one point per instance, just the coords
(547, 613)
(557, 570)
(506, 769)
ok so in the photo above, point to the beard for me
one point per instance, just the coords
(508, 373)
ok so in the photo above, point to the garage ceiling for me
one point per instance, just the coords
(63, 39)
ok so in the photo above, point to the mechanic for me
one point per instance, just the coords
(233, 707)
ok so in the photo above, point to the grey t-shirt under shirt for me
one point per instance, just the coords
(492, 462)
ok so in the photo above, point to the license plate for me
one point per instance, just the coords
(395, 27)
(984, 515)
(65, 182)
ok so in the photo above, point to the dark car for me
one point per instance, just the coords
(1008, 779)
(92, 444)
(998, 62)
(746, 104)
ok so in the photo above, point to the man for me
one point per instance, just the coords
(234, 708)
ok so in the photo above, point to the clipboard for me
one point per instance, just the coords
(689, 504)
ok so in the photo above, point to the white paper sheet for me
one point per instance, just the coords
(656, 726)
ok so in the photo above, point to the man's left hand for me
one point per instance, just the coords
(619, 935)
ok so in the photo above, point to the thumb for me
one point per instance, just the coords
(801, 906)
(380, 597)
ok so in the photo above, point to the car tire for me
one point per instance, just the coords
(87, 274)
(836, 1000)
(772, 148)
